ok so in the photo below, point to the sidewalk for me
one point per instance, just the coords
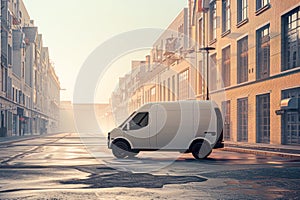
(10, 139)
(287, 151)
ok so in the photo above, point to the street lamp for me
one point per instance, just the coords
(207, 49)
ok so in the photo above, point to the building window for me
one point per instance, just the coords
(4, 79)
(242, 120)
(23, 100)
(9, 55)
(183, 81)
(160, 92)
(291, 120)
(226, 66)
(173, 88)
(225, 15)
(200, 79)
(152, 94)
(213, 72)
(164, 91)
(263, 118)
(145, 98)
(242, 10)
(226, 113)
(168, 89)
(13, 94)
(2, 119)
(20, 97)
(23, 70)
(16, 97)
(213, 20)
(242, 65)
(261, 4)
(263, 52)
(200, 33)
(291, 40)
(9, 88)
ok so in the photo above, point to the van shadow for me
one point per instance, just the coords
(226, 160)
(182, 160)
(106, 177)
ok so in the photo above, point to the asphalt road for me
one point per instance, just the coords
(67, 166)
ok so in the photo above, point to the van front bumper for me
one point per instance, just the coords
(108, 141)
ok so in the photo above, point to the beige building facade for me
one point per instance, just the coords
(29, 85)
(253, 67)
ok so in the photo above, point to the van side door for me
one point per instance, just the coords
(153, 126)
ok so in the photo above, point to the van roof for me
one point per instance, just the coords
(184, 103)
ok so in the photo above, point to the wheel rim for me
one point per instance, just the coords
(204, 150)
(120, 149)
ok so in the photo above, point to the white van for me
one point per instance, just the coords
(186, 126)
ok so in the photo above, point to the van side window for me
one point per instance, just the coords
(139, 121)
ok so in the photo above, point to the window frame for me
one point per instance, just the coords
(242, 119)
(262, 44)
(242, 11)
(183, 84)
(261, 4)
(173, 88)
(290, 28)
(226, 65)
(226, 16)
(226, 105)
(262, 116)
(287, 136)
(242, 60)
(168, 89)
(213, 72)
(213, 20)
(152, 94)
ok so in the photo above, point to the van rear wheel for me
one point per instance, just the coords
(201, 150)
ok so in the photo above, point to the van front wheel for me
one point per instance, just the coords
(120, 149)
(201, 150)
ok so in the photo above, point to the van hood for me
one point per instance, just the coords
(116, 132)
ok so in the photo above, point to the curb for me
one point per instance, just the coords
(261, 152)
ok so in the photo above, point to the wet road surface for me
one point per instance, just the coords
(67, 166)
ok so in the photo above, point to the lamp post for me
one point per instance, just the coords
(207, 49)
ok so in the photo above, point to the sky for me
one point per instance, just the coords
(73, 29)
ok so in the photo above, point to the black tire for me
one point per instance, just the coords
(120, 149)
(201, 150)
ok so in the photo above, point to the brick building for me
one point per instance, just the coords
(257, 59)
(254, 66)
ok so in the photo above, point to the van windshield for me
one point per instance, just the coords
(127, 119)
